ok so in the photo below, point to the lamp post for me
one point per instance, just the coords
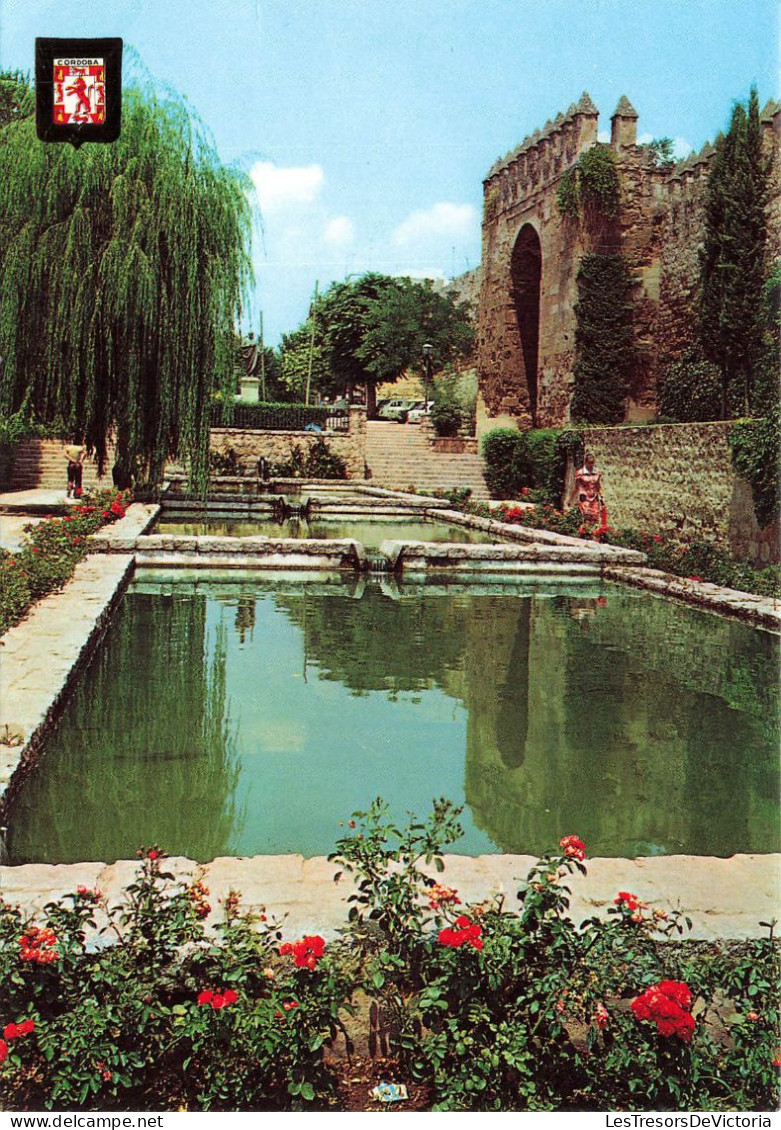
(427, 351)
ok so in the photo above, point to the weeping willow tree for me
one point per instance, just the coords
(124, 268)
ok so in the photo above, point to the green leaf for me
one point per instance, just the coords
(307, 1091)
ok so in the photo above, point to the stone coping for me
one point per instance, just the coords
(725, 898)
(42, 657)
(761, 611)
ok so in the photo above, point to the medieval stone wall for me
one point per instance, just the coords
(659, 230)
(678, 480)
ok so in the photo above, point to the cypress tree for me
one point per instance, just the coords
(123, 271)
(733, 256)
(604, 340)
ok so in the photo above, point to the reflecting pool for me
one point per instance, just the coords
(371, 532)
(246, 716)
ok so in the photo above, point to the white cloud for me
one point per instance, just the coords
(454, 221)
(339, 232)
(279, 187)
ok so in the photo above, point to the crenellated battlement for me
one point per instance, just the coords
(553, 148)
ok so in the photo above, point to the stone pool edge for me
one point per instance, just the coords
(725, 898)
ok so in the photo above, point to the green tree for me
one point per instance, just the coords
(733, 258)
(124, 268)
(297, 353)
(16, 98)
(374, 330)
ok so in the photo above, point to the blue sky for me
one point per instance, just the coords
(368, 125)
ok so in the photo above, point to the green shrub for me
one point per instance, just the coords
(756, 454)
(690, 390)
(517, 462)
(316, 462)
(592, 187)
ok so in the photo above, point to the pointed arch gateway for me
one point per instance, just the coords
(525, 276)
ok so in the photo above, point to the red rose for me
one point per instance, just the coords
(231, 996)
(205, 997)
(11, 1031)
(3, 1051)
(678, 991)
(152, 854)
(26, 1027)
(218, 1001)
(573, 847)
(285, 949)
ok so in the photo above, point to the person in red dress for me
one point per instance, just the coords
(587, 492)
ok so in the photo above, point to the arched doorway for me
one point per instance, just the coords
(525, 273)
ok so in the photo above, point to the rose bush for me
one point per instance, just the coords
(500, 1005)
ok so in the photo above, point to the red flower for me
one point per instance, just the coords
(152, 854)
(629, 901)
(667, 1005)
(601, 1016)
(776, 1061)
(26, 1027)
(306, 952)
(573, 847)
(694, 579)
(466, 933)
(3, 1051)
(10, 1032)
(231, 996)
(218, 1001)
(205, 997)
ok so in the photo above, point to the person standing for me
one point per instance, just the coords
(587, 491)
(75, 454)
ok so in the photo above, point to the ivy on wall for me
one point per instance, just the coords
(591, 186)
(604, 340)
(756, 454)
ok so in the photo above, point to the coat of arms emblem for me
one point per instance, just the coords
(79, 91)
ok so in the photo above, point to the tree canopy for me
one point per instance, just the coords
(372, 330)
(124, 269)
(733, 267)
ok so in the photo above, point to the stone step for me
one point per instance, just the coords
(40, 464)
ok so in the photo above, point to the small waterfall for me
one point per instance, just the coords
(376, 562)
(285, 507)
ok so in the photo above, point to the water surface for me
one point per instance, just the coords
(254, 716)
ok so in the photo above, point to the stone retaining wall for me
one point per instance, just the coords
(678, 480)
(277, 446)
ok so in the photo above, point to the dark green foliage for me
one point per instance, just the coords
(123, 270)
(275, 417)
(604, 340)
(756, 452)
(517, 462)
(447, 413)
(690, 390)
(733, 256)
(372, 330)
(505, 469)
(316, 462)
(592, 187)
(16, 97)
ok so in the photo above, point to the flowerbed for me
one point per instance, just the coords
(500, 1005)
(50, 553)
(697, 560)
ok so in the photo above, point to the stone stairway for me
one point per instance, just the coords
(398, 456)
(40, 465)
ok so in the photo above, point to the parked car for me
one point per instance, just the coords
(395, 409)
(419, 413)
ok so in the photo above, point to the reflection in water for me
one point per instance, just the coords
(252, 717)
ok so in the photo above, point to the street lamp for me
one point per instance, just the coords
(427, 351)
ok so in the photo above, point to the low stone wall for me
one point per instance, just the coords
(678, 480)
(276, 446)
